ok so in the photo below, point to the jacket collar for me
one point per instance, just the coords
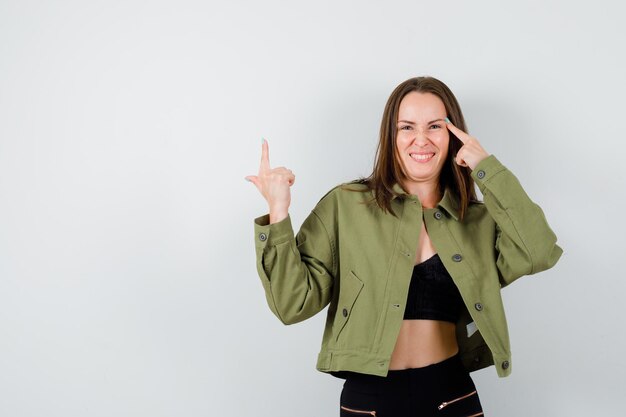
(448, 201)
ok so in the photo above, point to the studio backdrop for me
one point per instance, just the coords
(128, 284)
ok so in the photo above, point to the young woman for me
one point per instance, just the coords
(410, 262)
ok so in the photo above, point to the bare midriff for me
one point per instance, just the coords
(423, 342)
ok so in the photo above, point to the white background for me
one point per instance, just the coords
(127, 276)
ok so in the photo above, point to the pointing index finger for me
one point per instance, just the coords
(265, 156)
(463, 137)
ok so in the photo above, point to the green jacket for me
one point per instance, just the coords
(360, 260)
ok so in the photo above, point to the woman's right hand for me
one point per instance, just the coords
(274, 185)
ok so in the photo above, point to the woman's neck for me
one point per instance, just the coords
(427, 193)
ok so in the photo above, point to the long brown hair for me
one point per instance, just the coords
(387, 167)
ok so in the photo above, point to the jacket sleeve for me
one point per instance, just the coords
(297, 272)
(525, 244)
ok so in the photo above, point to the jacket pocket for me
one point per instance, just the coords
(349, 290)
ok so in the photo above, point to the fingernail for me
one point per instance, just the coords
(247, 179)
(447, 120)
(262, 141)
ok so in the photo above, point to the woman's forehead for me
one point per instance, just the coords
(421, 108)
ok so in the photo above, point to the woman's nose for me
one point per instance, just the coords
(420, 136)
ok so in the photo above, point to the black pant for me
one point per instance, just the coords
(442, 389)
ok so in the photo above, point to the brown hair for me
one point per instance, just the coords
(388, 168)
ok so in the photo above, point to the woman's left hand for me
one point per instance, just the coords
(471, 153)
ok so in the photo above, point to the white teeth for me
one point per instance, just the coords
(421, 157)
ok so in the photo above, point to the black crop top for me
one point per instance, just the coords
(432, 293)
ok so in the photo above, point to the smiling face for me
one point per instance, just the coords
(422, 139)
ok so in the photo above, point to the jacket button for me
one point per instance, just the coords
(478, 306)
(505, 365)
(480, 174)
(438, 215)
(345, 312)
(457, 257)
(262, 237)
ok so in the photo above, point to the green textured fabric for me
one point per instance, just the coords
(358, 260)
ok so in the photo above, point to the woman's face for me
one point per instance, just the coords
(422, 140)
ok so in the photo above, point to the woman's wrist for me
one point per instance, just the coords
(278, 215)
